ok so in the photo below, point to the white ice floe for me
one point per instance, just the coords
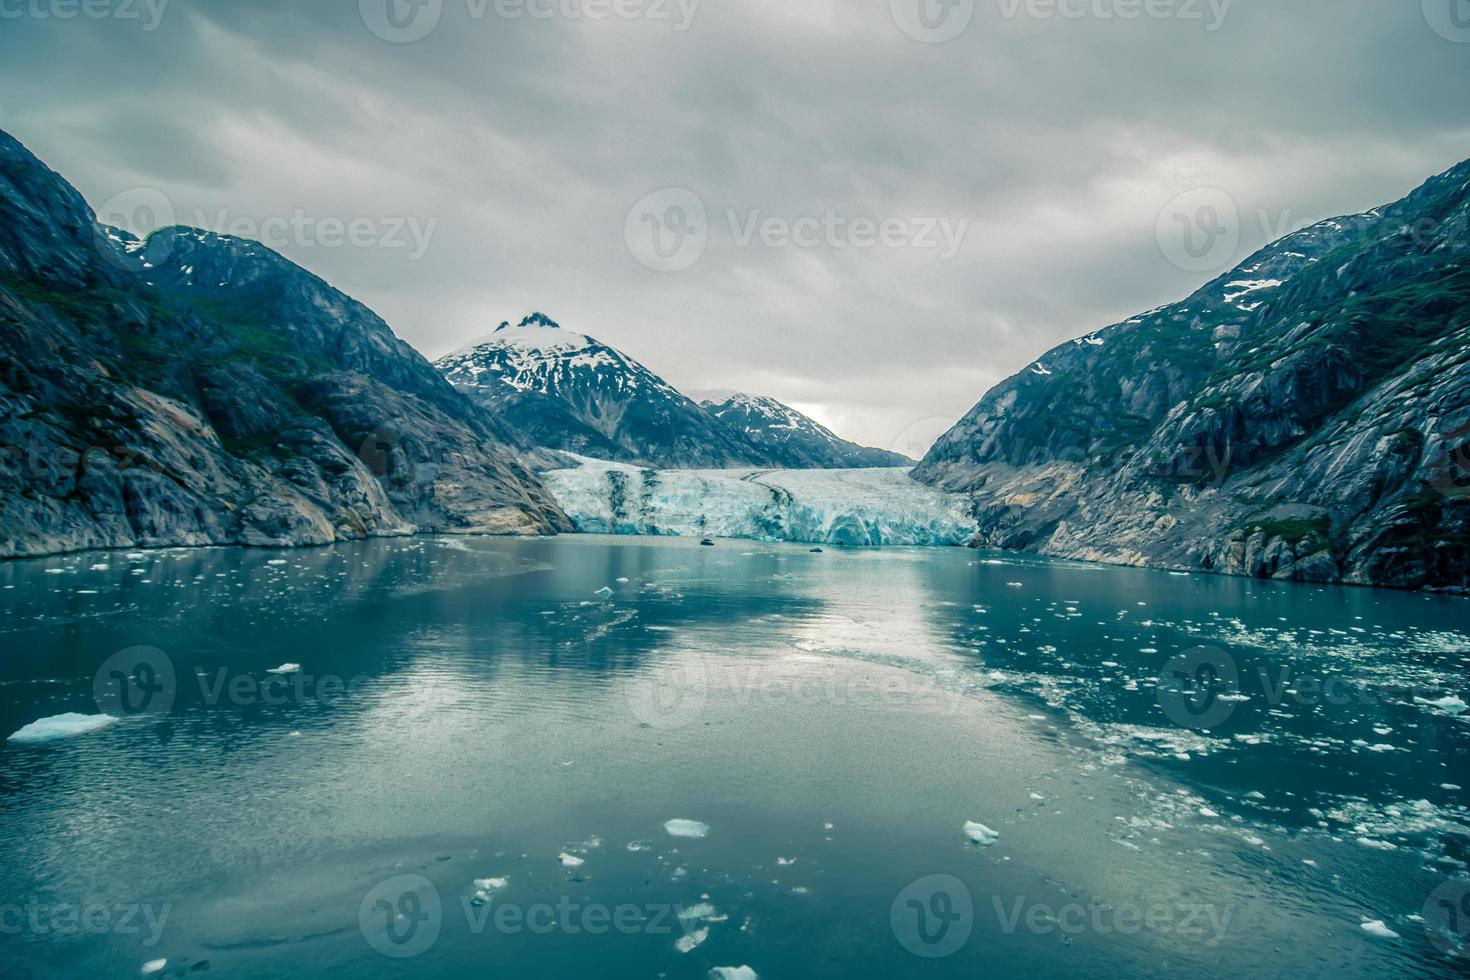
(686, 828)
(1449, 704)
(153, 966)
(980, 834)
(285, 669)
(1377, 845)
(570, 860)
(605, 592)
(1375, 927)
(61, 726)
(689, 941)
(733, 973)
(485, 889)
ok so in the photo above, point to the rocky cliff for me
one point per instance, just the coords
(196, 389)
(1305, 417)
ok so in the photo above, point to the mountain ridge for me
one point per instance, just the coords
(569, 392)
(193, 389)
(1301, 416)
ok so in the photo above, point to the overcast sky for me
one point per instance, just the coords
(980, 179)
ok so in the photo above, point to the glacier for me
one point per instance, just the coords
(856, 507)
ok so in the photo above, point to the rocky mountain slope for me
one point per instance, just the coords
(1305, 416)
(792, 440)
(196, 389)
(570, 392)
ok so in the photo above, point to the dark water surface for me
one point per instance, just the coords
(472, 710)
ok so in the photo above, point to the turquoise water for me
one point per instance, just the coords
(473, 710)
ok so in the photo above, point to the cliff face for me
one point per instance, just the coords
(197, 389)
(1306, 416)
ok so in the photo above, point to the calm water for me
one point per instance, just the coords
(468, 710)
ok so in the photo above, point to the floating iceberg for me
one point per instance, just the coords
(843, 507)
(980, 834)
(686, 828)
(285, 669)
(1376, 927)
(732, 973)
(61, 726)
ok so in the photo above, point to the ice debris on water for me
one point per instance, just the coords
(733, 973)
(485, 889)
(570, 860)
(604, 592)
(1376, 927)
(980, 834)
(153, 966)
(61, 726)
(686, 828)
(1449, 704)
(285, 669)
(689, 941)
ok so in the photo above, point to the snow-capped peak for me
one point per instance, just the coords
(536, 332)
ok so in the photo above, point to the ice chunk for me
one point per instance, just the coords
(686, 828)
(570, 860)
(1449, 704)
(1375, 927)
(285, 669)
(485, 889)
(980, 834)
(61, 726)
(733, 973)
(686, 943)
(153, 966)
(605, 592)
(694, 913)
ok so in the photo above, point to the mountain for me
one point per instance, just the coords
(567, 391)
(1305, 416)
(195, 389)
(791, 440)
(559, 390)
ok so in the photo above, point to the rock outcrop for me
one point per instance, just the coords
(197, 389)
(1304, 417)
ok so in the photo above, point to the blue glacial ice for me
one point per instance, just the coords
(840, 507)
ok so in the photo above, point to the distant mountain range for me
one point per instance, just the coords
(792, 439)
(1305, 416)
(568, 391)
(197, 389)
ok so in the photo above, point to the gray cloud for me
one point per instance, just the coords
(523, 143)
